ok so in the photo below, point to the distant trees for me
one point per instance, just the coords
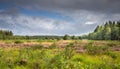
(109, 31)
(5, 34)
(66, 37)
(75, 37)
(46, 37)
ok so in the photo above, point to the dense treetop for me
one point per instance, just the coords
(4, 34)
(108, 31)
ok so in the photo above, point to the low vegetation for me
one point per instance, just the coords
(40, 57)
(18, 42)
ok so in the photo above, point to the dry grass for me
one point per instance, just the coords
(79, 45)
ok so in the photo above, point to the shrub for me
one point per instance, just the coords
(18, 42)
(68, 52)
(22, 62)
(94, 50)
(112, 54)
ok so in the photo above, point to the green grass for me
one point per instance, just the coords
(37, 57)
(96, 50)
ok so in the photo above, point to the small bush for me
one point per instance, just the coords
(18, 42)
(112, 54)
(69, 51)
(94, 50)
(22, 62)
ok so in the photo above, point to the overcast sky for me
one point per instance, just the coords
(56, 17)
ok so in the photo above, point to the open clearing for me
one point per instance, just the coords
(79, 45)
(62, 54)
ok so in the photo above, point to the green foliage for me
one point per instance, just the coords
(75, 37)
(46, 37)
(96, 50)
(108, 31)
(18, 42)
(5, 34)
(66, 37)
(68, 52)
(37, 57)
(97, 55)
(111, 54)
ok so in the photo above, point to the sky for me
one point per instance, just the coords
(56, 17)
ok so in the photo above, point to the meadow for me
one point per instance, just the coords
(59, 54)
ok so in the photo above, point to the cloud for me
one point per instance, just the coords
(27, 25)
(108, 6)
(89, 5)
(90, 23)
(77, 16)
(85, 22)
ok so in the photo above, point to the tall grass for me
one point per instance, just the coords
(96, 50)
(38, 57)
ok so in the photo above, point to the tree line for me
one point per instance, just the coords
(108, 31)
(6, 34)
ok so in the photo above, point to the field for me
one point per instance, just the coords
(59, 54)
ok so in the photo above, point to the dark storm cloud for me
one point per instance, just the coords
(10, 11)
(112, 6)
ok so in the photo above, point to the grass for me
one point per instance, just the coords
(94, 50)
(38, 57)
